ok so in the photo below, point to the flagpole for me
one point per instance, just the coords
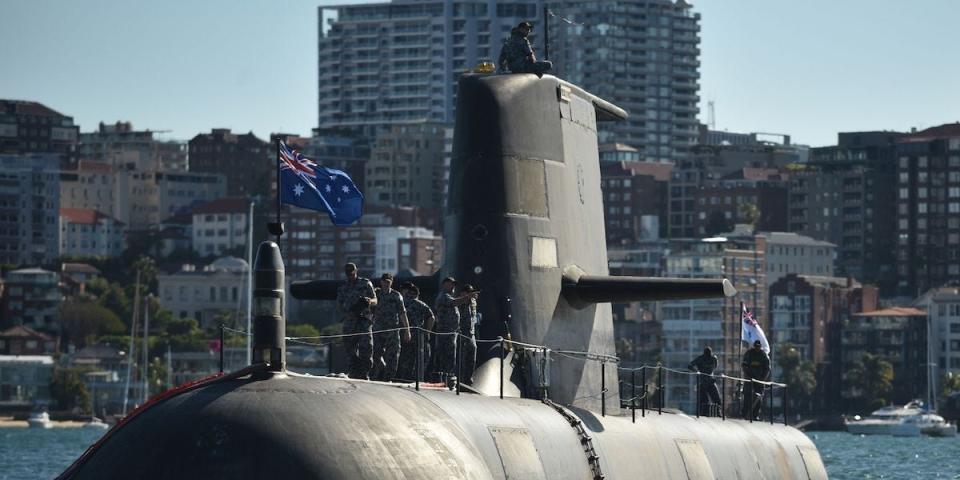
(277, 227)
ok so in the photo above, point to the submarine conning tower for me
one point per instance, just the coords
(525, 224)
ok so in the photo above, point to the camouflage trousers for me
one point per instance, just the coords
(407, 369)
(468, 358)
(359, 347)
(445, 356)
(386, 354)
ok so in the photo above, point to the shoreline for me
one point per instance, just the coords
(9, 422)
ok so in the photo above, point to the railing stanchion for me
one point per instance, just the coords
(643, 403)
(633, 395)
(771, 404)
(723, 397)
(749, 409)
(698, 394)
(419, 358)
(785, 404)
(221, 348)
(659, 390)
(459, 347)
(503, 355)
(603, 388)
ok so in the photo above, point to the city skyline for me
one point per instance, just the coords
(251, 66)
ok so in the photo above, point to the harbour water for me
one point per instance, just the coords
(34, 454)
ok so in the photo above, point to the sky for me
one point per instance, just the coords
(808, 68)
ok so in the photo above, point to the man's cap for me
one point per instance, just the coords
(450, 279)
(350, 267)
(469, 288)
(756, 343)
(525, 25)
(386, 276)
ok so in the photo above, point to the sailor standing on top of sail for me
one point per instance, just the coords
(354, 299)
(517, 55)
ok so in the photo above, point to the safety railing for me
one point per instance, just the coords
(636, 400)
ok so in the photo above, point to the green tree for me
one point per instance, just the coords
(148, 273)
(83, 320)
(949, 383)
(799, 375)
(68, 389)
(302, 330)
(872, 377)
(749, 213)
(116, 300)
(183, 326)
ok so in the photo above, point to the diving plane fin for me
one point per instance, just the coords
(582, 290)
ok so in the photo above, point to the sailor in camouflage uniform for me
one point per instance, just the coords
(421, 316)
(390, 314)
(468, 339)
(354, 299)
(517, 55)
(448, 327)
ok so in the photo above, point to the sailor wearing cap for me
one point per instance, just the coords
(447, 328)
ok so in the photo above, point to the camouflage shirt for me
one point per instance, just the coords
(389, 308)
(417, 311)
(468, 316)
(515, 53)
(448, 316)
(348, 295)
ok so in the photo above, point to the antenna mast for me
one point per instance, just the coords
(711, 116)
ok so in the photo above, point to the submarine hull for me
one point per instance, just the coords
(290, 426)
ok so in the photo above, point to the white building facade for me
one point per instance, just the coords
(214, 293)
(793, 253)
(88, 233)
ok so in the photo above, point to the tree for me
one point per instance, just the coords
(749, 213)
(949, 383)
(872, 377)
(798, 374)
(302, 330)
(68, 389)
(116, 300)
(183, 326)
(83, 319)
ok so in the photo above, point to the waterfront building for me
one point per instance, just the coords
(406, 167)
(398, 62)
(943, 309)
(343, 149)
(214, 293)
(86, 232)
(928, 208)
(120, 146)
(139, 199)
(642, 55)
(31, 297)
(25, 381)
(638, 329)
(807, 311)
(634, 200)
(842, 196)
(749, 195)
(220, 226)
(31, 127)
(29, 209)
(792, 253)
(243, 159)
(707, 163)
(23, 340)
(897, 335)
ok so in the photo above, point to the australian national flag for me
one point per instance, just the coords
(307, 185)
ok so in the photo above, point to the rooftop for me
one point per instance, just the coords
(789, 238)
(933, 133)
(823, 281)
(893, 312)
(21, 331)
(79, 268)
(21, 107)
(86, 216)
(41, 359)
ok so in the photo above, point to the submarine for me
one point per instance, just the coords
(524, 223)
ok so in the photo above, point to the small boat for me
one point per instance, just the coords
(39, 420)
(927, 423)
(96, 423)
(882, 421)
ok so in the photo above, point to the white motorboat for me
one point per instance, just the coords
(96, 423)
(39, 420)
(881, 421)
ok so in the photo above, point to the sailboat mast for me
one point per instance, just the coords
(133, 333)
(249, 283)
(146, 352)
